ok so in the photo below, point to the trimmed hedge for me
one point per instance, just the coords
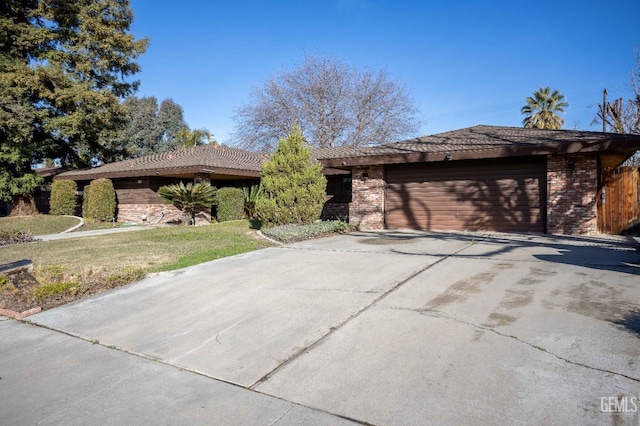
(99, 201)
(230, 204)
(63, 197)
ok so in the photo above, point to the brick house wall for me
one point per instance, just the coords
(572, 187)
(154, 213)
(137, 199)
(366, 210)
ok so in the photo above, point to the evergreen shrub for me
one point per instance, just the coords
(99, 201)
(63, 197)
(230, 204)
(293, 187)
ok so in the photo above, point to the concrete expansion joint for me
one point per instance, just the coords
(337, 327)
(181, 368)
(436, 314)
(132, 353)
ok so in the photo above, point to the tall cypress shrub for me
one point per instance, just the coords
(63, 197)
(293, 188)
(99, 201)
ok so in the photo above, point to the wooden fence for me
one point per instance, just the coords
(619, 200)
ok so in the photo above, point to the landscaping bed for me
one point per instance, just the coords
(293, 233)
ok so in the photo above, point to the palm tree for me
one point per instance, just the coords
(188, 197)
(251, 194)
(189, 138)
(541, 109)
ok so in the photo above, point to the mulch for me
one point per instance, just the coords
(18, 296)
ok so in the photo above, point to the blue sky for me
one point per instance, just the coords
(464, 62)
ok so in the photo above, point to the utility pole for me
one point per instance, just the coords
(604, 110)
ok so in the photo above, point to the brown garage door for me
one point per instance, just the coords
(478, 195)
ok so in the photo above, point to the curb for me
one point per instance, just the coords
(269, 239)
(19, 315)
(73, 228)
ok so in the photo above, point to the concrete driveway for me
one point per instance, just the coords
(380, 328)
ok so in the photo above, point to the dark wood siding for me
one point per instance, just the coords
(507, 195)
(140, 190)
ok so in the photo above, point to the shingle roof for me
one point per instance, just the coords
(220, 159)
(486, 141)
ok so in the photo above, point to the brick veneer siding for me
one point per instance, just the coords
(154, 213)
(157, 213)
(366, 210)
(571, 193)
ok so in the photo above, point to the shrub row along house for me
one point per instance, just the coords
(482, 178)
(136, 181)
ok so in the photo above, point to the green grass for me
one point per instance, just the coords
(158, 249)
(55, 289)
(38, 225)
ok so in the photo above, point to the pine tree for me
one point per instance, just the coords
(65, 66)
(293, 188)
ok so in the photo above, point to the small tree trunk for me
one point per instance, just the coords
(187, 217)
(24, 205)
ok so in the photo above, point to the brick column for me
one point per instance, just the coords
(366, 210)
(572, 185)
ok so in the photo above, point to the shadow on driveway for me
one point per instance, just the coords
(611, 253)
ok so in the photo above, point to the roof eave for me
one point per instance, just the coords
(612, 145)
(160, 172)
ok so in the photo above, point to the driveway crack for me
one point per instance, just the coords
(436, 314)
(337, 327)
(281, 416)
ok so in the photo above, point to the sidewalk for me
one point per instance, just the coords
(49, 377)
(95, 232)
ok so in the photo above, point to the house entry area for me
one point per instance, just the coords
(506, 195)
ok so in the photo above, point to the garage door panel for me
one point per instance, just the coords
(465, 191)
(470, 195)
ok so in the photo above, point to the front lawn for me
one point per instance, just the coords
(79, 266)
(150, 249)
(41, 224)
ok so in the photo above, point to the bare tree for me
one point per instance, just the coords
(620, 116)
(623, 116)
(333, 103)
(635, 76)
